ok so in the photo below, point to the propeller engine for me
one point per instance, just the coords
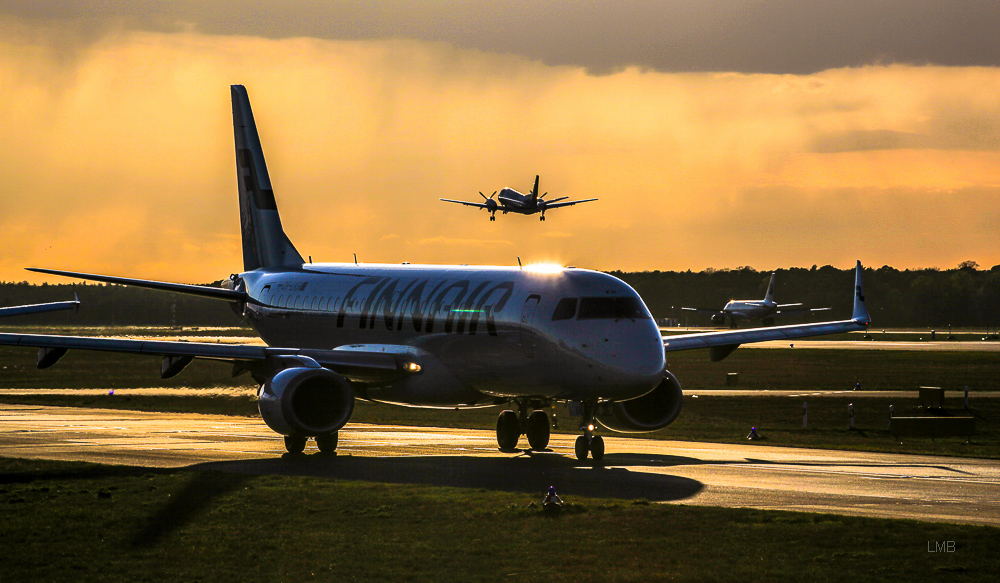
(491, 204)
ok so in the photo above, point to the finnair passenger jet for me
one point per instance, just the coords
(428, 335)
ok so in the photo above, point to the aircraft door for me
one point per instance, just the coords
(527, 317)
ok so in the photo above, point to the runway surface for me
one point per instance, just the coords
(970, 346)
(958, 490)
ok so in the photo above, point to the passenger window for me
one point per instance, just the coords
(565, 309)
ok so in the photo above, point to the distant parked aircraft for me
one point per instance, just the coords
(512, 201)
(766, 309)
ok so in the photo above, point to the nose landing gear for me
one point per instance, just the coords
(588, 442)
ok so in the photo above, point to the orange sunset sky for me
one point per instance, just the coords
(716, 133)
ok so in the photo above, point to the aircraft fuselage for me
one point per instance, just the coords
(750, 309)
(512, 201)
(477, 332)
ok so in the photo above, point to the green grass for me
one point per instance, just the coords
(800, 369)
(80, 522)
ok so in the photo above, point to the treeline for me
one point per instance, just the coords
(965, 296)
(115, 305)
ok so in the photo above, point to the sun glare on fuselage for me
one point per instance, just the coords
(544, 268)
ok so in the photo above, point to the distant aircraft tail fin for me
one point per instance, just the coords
(264, 241)
(860, 309)
(769, 296)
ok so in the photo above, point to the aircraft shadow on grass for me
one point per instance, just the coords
(530, 473)
(526, 473)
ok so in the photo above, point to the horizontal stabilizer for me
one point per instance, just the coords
(216, 293)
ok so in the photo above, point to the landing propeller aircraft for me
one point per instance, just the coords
(428, 335)
(512, 201)
(765, 310)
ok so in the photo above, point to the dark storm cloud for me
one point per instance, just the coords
(776, 36)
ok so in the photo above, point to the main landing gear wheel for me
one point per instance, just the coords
(492, 218)
(538, 430)
(508, 431)
(327, 444)
(595, 448)
(541, 218)
(295, 443)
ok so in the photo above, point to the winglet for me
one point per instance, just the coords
(860, 310)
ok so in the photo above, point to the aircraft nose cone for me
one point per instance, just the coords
(636, 354)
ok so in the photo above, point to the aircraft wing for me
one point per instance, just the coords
(204, 291)
(782, 311)
(555, 205)
(35, 308)
(466, 203)
(704, 310)
(356, 365)
(724, 343)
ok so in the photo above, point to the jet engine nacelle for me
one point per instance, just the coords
(306, 401)
(654, 410)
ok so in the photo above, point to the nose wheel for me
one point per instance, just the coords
(588, 443)
(594, 446)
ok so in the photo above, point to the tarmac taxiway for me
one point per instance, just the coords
(930, 488)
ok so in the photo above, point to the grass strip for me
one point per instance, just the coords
(84, 522)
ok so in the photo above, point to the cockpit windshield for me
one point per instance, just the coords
(565, 309)
(612, 308)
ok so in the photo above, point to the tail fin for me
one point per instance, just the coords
(534, 190)
(769, 296)
(264, 242)
(860, 314)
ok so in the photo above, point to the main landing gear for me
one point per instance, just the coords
(541, 218)
(493, 217)
(511, 426)
(326, 443)
(588, 442)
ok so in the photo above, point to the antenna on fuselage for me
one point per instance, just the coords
(519, 266)
(355, 258)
